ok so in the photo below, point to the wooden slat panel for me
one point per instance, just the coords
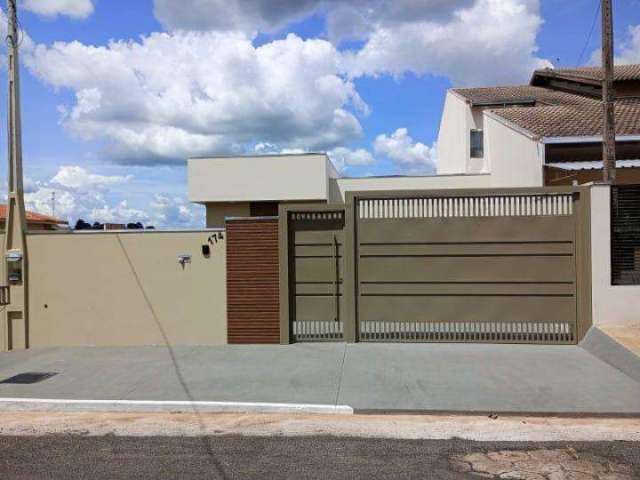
(467, 309)
(253, 308)
(483, 229)
(467, 269)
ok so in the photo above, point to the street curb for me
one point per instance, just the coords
(66, 405)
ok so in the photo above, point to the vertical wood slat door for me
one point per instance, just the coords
(316, 275)
(481, 268)
(253, 288)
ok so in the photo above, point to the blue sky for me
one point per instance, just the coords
(116, 94)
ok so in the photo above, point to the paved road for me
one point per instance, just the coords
(71, 457)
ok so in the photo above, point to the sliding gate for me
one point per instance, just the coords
(476, 268)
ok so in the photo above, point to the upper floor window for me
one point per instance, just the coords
(477, 143)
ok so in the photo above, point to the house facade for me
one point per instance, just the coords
(541, 134)
(546, 133)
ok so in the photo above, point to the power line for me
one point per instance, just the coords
(593, 26)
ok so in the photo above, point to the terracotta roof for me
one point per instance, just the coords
(521, 94)
(33, 217)
(573, 120)
(621, 73)
(547, 112)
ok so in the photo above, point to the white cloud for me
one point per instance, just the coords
(78, 9)
(80, 193)
(343, 158)
(472, 42)
(175, 211)
(73, 176)
(170, 96)
(491, 42)
(268, 15)
(121, 212)
(630, 48)
(411, 157)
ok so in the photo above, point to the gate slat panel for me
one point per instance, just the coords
(485, 229)
(467, 309)
(467, 269)
(480, 268)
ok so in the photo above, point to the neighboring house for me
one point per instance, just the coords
(541, 134)
(35, 221)
(544, 133)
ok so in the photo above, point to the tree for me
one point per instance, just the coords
(82, 225)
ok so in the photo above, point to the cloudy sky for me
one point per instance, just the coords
(118, 93)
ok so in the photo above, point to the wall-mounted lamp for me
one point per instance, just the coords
(14, 256)
(184, 259)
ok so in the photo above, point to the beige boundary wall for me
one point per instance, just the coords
(126, 288)
(613, 305)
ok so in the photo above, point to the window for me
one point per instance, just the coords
(477, 143)
(625, 235)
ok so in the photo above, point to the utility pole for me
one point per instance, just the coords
(609, 130)
(53, 204)
(15, 259)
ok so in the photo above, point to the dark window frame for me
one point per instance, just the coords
(476, 151)
(625, 235)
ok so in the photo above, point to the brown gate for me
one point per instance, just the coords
(467, 268)
(315, 275)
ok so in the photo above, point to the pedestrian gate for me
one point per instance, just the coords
(316, 271)
(478, 266)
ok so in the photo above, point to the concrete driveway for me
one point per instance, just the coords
(367, 377)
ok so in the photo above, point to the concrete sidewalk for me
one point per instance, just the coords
(368, 377)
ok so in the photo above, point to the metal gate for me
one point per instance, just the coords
(469, 268)
(316, 302)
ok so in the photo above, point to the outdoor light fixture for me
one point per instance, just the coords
(184, 259)
(14, 256)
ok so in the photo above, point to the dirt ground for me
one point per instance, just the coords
(478, 428)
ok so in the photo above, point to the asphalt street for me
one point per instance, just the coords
(78, 456)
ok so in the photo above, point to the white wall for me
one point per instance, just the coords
(259, 178)
(434, 182)
(613, 305)
(453, 136)
(515, 160)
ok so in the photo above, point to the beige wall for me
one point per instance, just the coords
(434, 182)
(613, 305)
(217, 212)
(126, 289)
(515, 160)
(259, 178)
